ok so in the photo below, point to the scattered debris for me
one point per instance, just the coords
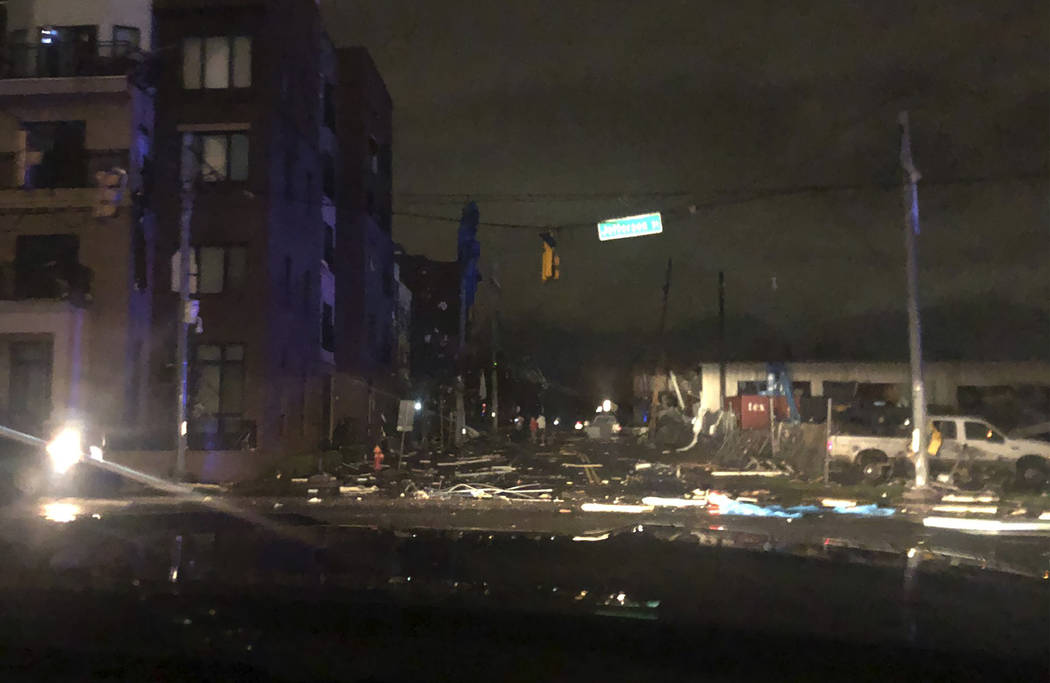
(656, 501)
(721, 504)
(956, 498)
(474, 490)
(615, 507)
(354, 490)
(972, 509)
(749, 473)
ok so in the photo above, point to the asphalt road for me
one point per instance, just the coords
(843, 578)
(828, 575)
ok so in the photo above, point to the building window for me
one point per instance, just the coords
(220, 156)
(328, 179)
(329, 246)
(307, 290)
(220, 268)
(29, 396)
(125, 40)
(328, 106)
(327, 328)
(750, 388)
(55, 154)
(216, 62)
(218, 389)
(48, 267)
(373, 155)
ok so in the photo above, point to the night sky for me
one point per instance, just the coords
(565, 112)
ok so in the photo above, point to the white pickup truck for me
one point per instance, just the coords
(963, 439)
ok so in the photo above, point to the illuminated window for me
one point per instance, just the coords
(219, 380)
(220, 156)
(220, 268)
(216, 62)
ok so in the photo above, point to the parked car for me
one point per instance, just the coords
(603, 426)
(963, 438)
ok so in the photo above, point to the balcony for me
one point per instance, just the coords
(67, 60)
(64, 282)
(74, 170)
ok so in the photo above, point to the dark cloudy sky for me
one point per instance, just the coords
(526, 105)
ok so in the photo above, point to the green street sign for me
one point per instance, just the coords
(631, 226)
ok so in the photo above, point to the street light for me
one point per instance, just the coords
(606, 405)
(418, 406)
(65, 450)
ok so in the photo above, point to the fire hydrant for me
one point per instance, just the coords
(377, 454)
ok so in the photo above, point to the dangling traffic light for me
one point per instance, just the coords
(550, 264)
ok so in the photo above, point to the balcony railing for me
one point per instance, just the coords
(62, 282)
(67, 59)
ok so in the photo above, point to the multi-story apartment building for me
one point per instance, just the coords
(434, 331)
(367, 382)
(246, 79)
(75, 213)
(289, 142)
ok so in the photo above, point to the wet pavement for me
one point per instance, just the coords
(593, 530)
(852, 579)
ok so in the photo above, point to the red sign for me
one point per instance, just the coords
(754, 410)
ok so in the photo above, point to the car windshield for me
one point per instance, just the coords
(618, 318)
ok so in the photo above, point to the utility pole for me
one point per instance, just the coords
(910, 196)
(182, 328)
(663, 314)
(498, 295)
(721, 340)
(457, 438)
(468, 252)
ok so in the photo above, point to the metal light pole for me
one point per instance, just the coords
(910, 196)
(457, 438)
(495, 346)
(721, 340)
(468, 250)
(188, 178)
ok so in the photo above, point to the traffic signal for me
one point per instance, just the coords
(550, 264)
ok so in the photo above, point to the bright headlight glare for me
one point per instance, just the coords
(65, 450)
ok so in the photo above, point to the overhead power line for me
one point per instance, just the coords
(744, 196)
(446, 197)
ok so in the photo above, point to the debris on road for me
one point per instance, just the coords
(473, 490)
